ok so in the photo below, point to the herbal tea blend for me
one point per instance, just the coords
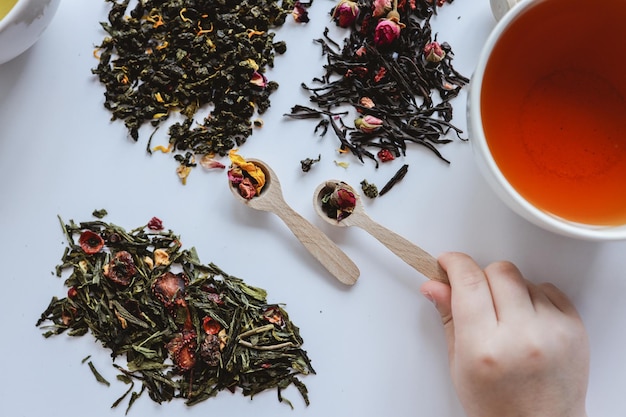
(392, 73)
(166, 56)
(186, 330)
(247, 177)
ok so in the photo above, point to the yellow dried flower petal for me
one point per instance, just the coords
(183, 172)
(342, 164)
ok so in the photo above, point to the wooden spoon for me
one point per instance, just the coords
(407, 251)
(318, 244)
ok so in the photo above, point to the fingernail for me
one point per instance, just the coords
(429, 297)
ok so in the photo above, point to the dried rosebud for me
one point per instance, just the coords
(346, 13)
(121, 269)
(90, 242)
(258, 79)
(381, 7)
(387, 31)
(433, 52)
(368, 124)
(300, 13)
(346, 200)
(155, 224)
(338, 202)
(72, 292)
(385, 155)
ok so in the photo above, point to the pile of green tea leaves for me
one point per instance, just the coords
(166, 56)
(186, 330)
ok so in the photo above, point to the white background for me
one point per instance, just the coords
(378, 347)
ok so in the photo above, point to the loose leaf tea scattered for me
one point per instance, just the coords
(186, 330)
(165, 56)
(393, 73)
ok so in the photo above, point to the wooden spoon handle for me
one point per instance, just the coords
(410, 253)
(320, 246)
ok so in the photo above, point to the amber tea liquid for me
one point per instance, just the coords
(553, 106)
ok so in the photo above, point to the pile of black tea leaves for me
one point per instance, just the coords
(175, 328)
(161, 57)
(392, 73)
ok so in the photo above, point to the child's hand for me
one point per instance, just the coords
(515, 348)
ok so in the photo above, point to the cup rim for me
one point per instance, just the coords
(514, 199)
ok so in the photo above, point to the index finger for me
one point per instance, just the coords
(472, 302)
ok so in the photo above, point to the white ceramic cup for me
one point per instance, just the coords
(23, 25)
(507, 11)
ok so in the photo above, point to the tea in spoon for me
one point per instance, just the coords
(413, 255)
(318, 244)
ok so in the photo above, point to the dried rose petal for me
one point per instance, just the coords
(121, 269)
(90, 242)
(209, 163)
(169, 289)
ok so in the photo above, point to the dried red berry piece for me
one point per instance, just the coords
(385, 155)
(169, 288)
(72, 292)
(155, 224)
(210, 350)
(121, 269)
(211, 326)
(90, 242)
(182, 349)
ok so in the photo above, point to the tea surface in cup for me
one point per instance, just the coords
(554, 110)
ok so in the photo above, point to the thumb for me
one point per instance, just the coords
(440, 295)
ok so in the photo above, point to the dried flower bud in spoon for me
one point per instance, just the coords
(338, 202)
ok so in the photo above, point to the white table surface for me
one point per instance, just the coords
(378, 347)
